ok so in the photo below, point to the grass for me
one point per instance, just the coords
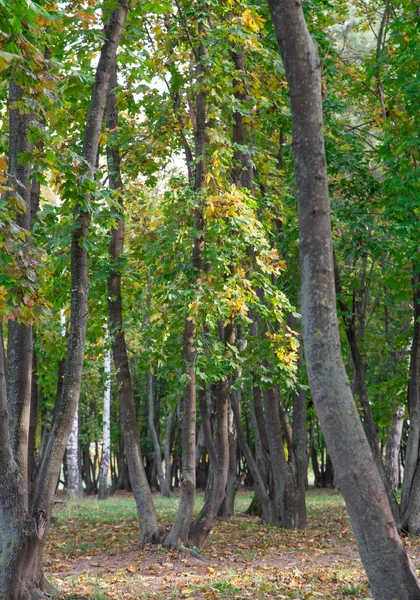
(93, 552)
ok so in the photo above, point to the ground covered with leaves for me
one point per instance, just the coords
(93, 552)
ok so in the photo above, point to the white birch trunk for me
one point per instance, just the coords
(106, 443)
(74, 486)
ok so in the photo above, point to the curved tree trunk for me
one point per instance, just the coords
(388, 566)
(201, 527)
(148, 523)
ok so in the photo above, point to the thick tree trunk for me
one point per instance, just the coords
(19, 341)
(74, 484)
(389, 569)
(178, 535)
(106, 430)
(148, 523)
(393, 449)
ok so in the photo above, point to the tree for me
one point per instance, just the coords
(21, 573)
(389, 569)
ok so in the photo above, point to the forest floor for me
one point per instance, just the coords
(93, 552)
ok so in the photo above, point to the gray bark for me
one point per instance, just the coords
(390, 571)
(19, 342)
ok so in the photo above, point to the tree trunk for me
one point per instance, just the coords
(168, 448)
(201, 527)
(164, 487)
(410, 503)
(234, 479)
(300, 452)
(19, 340)
(74, 484)
(178, 535)
(106, 428)
(393, 449)
(148, 523)
(389, 569)
(283, 477)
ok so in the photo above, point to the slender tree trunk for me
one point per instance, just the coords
(389, 569)
(168, 448)
(162, 481)
(393, 448)
(283, 477)
(300, 452)
(201, 527)
(410, 503)
(106, 430)
(74, 484)
(32, 427)
(234, 479)
(178, 535)
(148, 523)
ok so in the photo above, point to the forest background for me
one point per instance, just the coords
(162, 181)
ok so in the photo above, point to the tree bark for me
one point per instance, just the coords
(164, 487)
(106, 430)
(388, 566)
(178, 536)
(74, 484)
(148, 523)
(410, 502)
(393, 448)
(19, 340)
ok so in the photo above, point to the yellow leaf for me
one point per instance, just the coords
(132, 569)
(252, 21)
